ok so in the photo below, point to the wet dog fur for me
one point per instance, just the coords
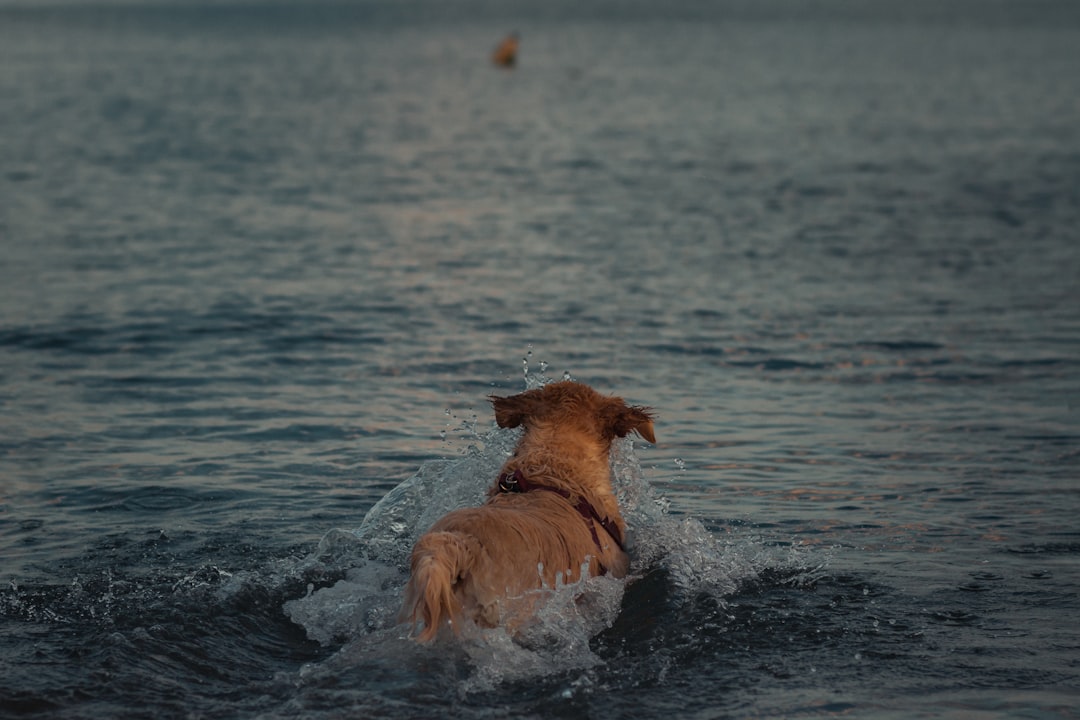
(482, 563)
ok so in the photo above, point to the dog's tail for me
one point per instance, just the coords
(439, 561)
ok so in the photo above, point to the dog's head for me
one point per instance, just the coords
(576, 405)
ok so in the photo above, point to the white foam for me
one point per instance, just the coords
(364, 601)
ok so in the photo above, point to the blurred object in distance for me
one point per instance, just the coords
(506, 54)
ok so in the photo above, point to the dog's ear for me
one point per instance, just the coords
(623, 420)
(511, 411)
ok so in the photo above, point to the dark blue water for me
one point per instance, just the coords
(263, 263)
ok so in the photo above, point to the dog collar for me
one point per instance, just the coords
(515, 482)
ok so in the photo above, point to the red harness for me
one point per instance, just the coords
(515, 482)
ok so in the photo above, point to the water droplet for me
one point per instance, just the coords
(566, 375)
(681, 464)
(525, 360)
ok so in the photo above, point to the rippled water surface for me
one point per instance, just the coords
(263, 263)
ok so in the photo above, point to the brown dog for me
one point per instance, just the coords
(551, 511)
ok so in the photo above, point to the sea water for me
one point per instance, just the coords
(263, 263)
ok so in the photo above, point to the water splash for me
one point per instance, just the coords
(371, 562)
(556, 641)
(371, 567)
